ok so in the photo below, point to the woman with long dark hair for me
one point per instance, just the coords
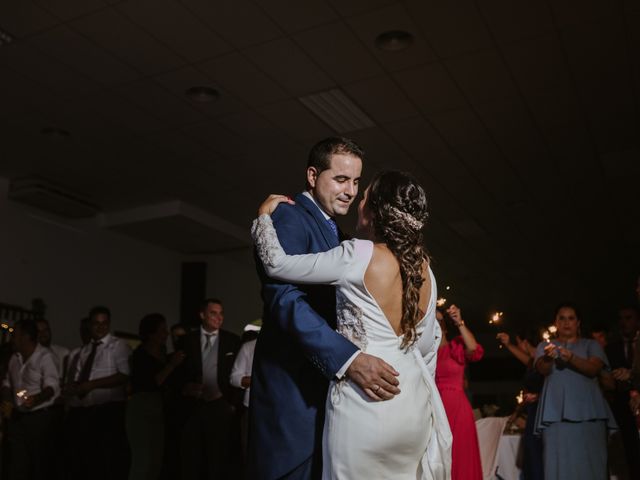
(385, 300)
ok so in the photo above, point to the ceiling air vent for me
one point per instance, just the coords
(50, 198)
(337, 110)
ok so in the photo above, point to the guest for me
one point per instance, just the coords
(573, 416)
(207, 396)
(453, 356)
(28, 391)
(100, 448)
(177, 332)
(145, 412)
(532, 465)
(241, 378)
(620, 354)
(74, 355)
(600, 333)
(60, 353)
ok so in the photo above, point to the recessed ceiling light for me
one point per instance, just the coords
(54, 132)
(202, 94)
(394, 41)
(5, 38)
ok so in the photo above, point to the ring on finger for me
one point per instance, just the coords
(376, 388)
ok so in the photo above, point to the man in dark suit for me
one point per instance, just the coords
(208, 399)
(298, 350)
(620, 355)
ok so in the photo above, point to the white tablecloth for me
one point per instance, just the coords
(506, 456)
(498, 452)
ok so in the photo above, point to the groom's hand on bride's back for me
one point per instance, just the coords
(374, 376)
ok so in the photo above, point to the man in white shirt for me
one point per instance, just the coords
(28, 391)
(241, 378)
(99, 387)
(60, 353)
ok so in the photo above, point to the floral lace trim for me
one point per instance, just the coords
(350, 324)
(266, 240)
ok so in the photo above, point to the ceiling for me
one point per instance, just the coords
(521, 118)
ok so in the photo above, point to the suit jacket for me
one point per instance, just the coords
(297, 353)
(190, 371)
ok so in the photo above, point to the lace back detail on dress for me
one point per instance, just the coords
(350, 323)
(265, 239)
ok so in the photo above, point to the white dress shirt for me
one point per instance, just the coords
(33, 376)
(112, 356)
(242, 368)
(60, 353)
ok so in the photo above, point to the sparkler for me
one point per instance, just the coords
(441, 301)
(520, 397)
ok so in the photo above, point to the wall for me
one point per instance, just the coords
(232, 278)
(74, 265)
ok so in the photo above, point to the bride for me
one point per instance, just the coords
(386, 306)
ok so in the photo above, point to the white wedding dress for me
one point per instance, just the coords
(406, 438)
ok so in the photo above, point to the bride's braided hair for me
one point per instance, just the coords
(398, 205)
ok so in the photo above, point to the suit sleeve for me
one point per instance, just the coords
(322, 345)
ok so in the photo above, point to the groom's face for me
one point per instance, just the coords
(335, 188)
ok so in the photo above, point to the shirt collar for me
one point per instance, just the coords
(203, 332)
(324, 214)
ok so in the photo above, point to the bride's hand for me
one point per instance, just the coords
(271, 203)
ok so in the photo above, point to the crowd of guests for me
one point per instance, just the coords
(581, 399)
(146, 414)
(103, 411)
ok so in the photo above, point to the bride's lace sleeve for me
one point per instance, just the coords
(313, 268)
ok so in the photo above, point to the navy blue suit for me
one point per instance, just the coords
(297, 353)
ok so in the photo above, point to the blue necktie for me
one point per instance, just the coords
(333, 227)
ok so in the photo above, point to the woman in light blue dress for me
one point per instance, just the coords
(573, 416)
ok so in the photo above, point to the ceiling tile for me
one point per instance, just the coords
(119, 111)
(422, 142)
(117, 34)
(68, 9)
(431, 88)
(395, 17)
(156, 100)
(83, 56)
(511, 21)
(339, 52)
(175, 26)
(288, 65)
(452, 28)
(538, 64)
(293, 15)
(348, 8)
(239, 22)
(572, 12)
(24, 18)
(51, 74)
(381, 99)
(483, 77)
(294, 119)
(239, 76)
(221, 140)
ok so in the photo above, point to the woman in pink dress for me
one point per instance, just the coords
(452, 358)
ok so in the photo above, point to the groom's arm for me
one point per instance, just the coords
(329, 351)
(322, 345)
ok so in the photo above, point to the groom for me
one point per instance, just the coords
(298, 350)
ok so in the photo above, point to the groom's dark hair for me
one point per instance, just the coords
(320, 154)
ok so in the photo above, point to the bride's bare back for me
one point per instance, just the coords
(382, 279)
